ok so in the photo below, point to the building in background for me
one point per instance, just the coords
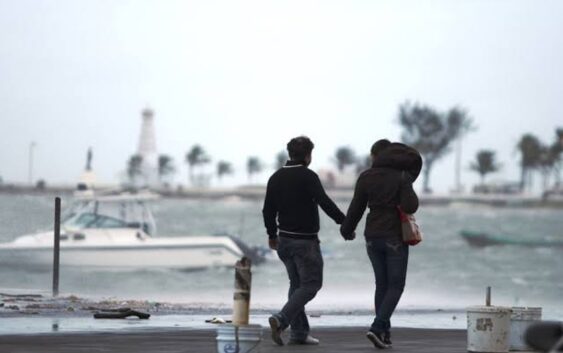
(147, 150)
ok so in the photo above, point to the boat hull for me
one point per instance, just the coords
(181, 257)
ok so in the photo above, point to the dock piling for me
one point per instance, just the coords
(243, 280)
(240, 337)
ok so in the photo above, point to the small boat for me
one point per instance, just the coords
(481, 239)
(117, 230)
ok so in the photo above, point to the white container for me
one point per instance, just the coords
(488, 328)
(520, 320)
(239, 339)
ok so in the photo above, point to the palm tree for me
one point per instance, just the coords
(134, 167)
(547, 163)
(530, 148)
(484, 164)
(253, 166)
(559, 137)
(195, 157)
(281, 158)
(344, 156)
(165, 166)
(558, 150)
(224, 168)
(432, 132)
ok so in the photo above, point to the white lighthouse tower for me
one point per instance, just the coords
(147, 149)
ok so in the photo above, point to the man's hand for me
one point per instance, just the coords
(273, 243)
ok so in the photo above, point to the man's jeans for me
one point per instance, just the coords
(304, 264)
(389, 258)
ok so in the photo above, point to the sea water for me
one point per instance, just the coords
(445, 274)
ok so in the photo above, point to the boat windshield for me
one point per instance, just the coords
(91, 220)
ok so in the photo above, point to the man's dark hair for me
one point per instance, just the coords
(379, 146)
(299, 148)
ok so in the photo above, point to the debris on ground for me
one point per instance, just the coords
(121, 313)
(218, 320)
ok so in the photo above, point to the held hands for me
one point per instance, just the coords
(349, 236)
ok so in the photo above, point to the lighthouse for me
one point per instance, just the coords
(147, 149)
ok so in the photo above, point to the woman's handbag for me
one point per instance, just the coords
(411, 232)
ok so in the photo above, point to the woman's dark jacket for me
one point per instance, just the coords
(383, 187)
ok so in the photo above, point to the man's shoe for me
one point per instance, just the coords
(309, 340)
(275, 326)
(376, 339)
(387, 339)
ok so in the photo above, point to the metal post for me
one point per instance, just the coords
(488, 299)
(56, 247)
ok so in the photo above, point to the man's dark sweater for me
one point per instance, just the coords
(292, 196)
(382, 189)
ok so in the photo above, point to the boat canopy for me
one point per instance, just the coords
(111, 211)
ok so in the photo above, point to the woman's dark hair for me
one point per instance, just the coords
(379, 146)
(299, 148)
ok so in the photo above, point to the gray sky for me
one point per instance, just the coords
(242, 77)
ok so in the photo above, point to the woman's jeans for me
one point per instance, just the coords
(389, 258)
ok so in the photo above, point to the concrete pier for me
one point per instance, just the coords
(203, 341)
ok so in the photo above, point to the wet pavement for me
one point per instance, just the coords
(335, 339)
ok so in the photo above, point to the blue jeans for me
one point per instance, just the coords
(304, 264)
(389, 258)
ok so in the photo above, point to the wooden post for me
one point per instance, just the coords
(488, 299)
(243, 281)
(56, 247)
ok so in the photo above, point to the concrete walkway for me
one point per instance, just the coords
(203, 341)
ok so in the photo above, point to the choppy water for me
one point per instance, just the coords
(444, 272)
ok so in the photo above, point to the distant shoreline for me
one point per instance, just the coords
(256, 193)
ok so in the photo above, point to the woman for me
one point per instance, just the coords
(384, 187)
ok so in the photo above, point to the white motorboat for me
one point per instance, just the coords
(118, 231)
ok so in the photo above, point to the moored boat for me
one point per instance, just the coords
(119, 231)
(482, 239)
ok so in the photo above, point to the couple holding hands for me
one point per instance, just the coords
(291, 217)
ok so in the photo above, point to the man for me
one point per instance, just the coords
(384, 187)
(292, 196)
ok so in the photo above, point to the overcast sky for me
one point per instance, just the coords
(243, 77)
